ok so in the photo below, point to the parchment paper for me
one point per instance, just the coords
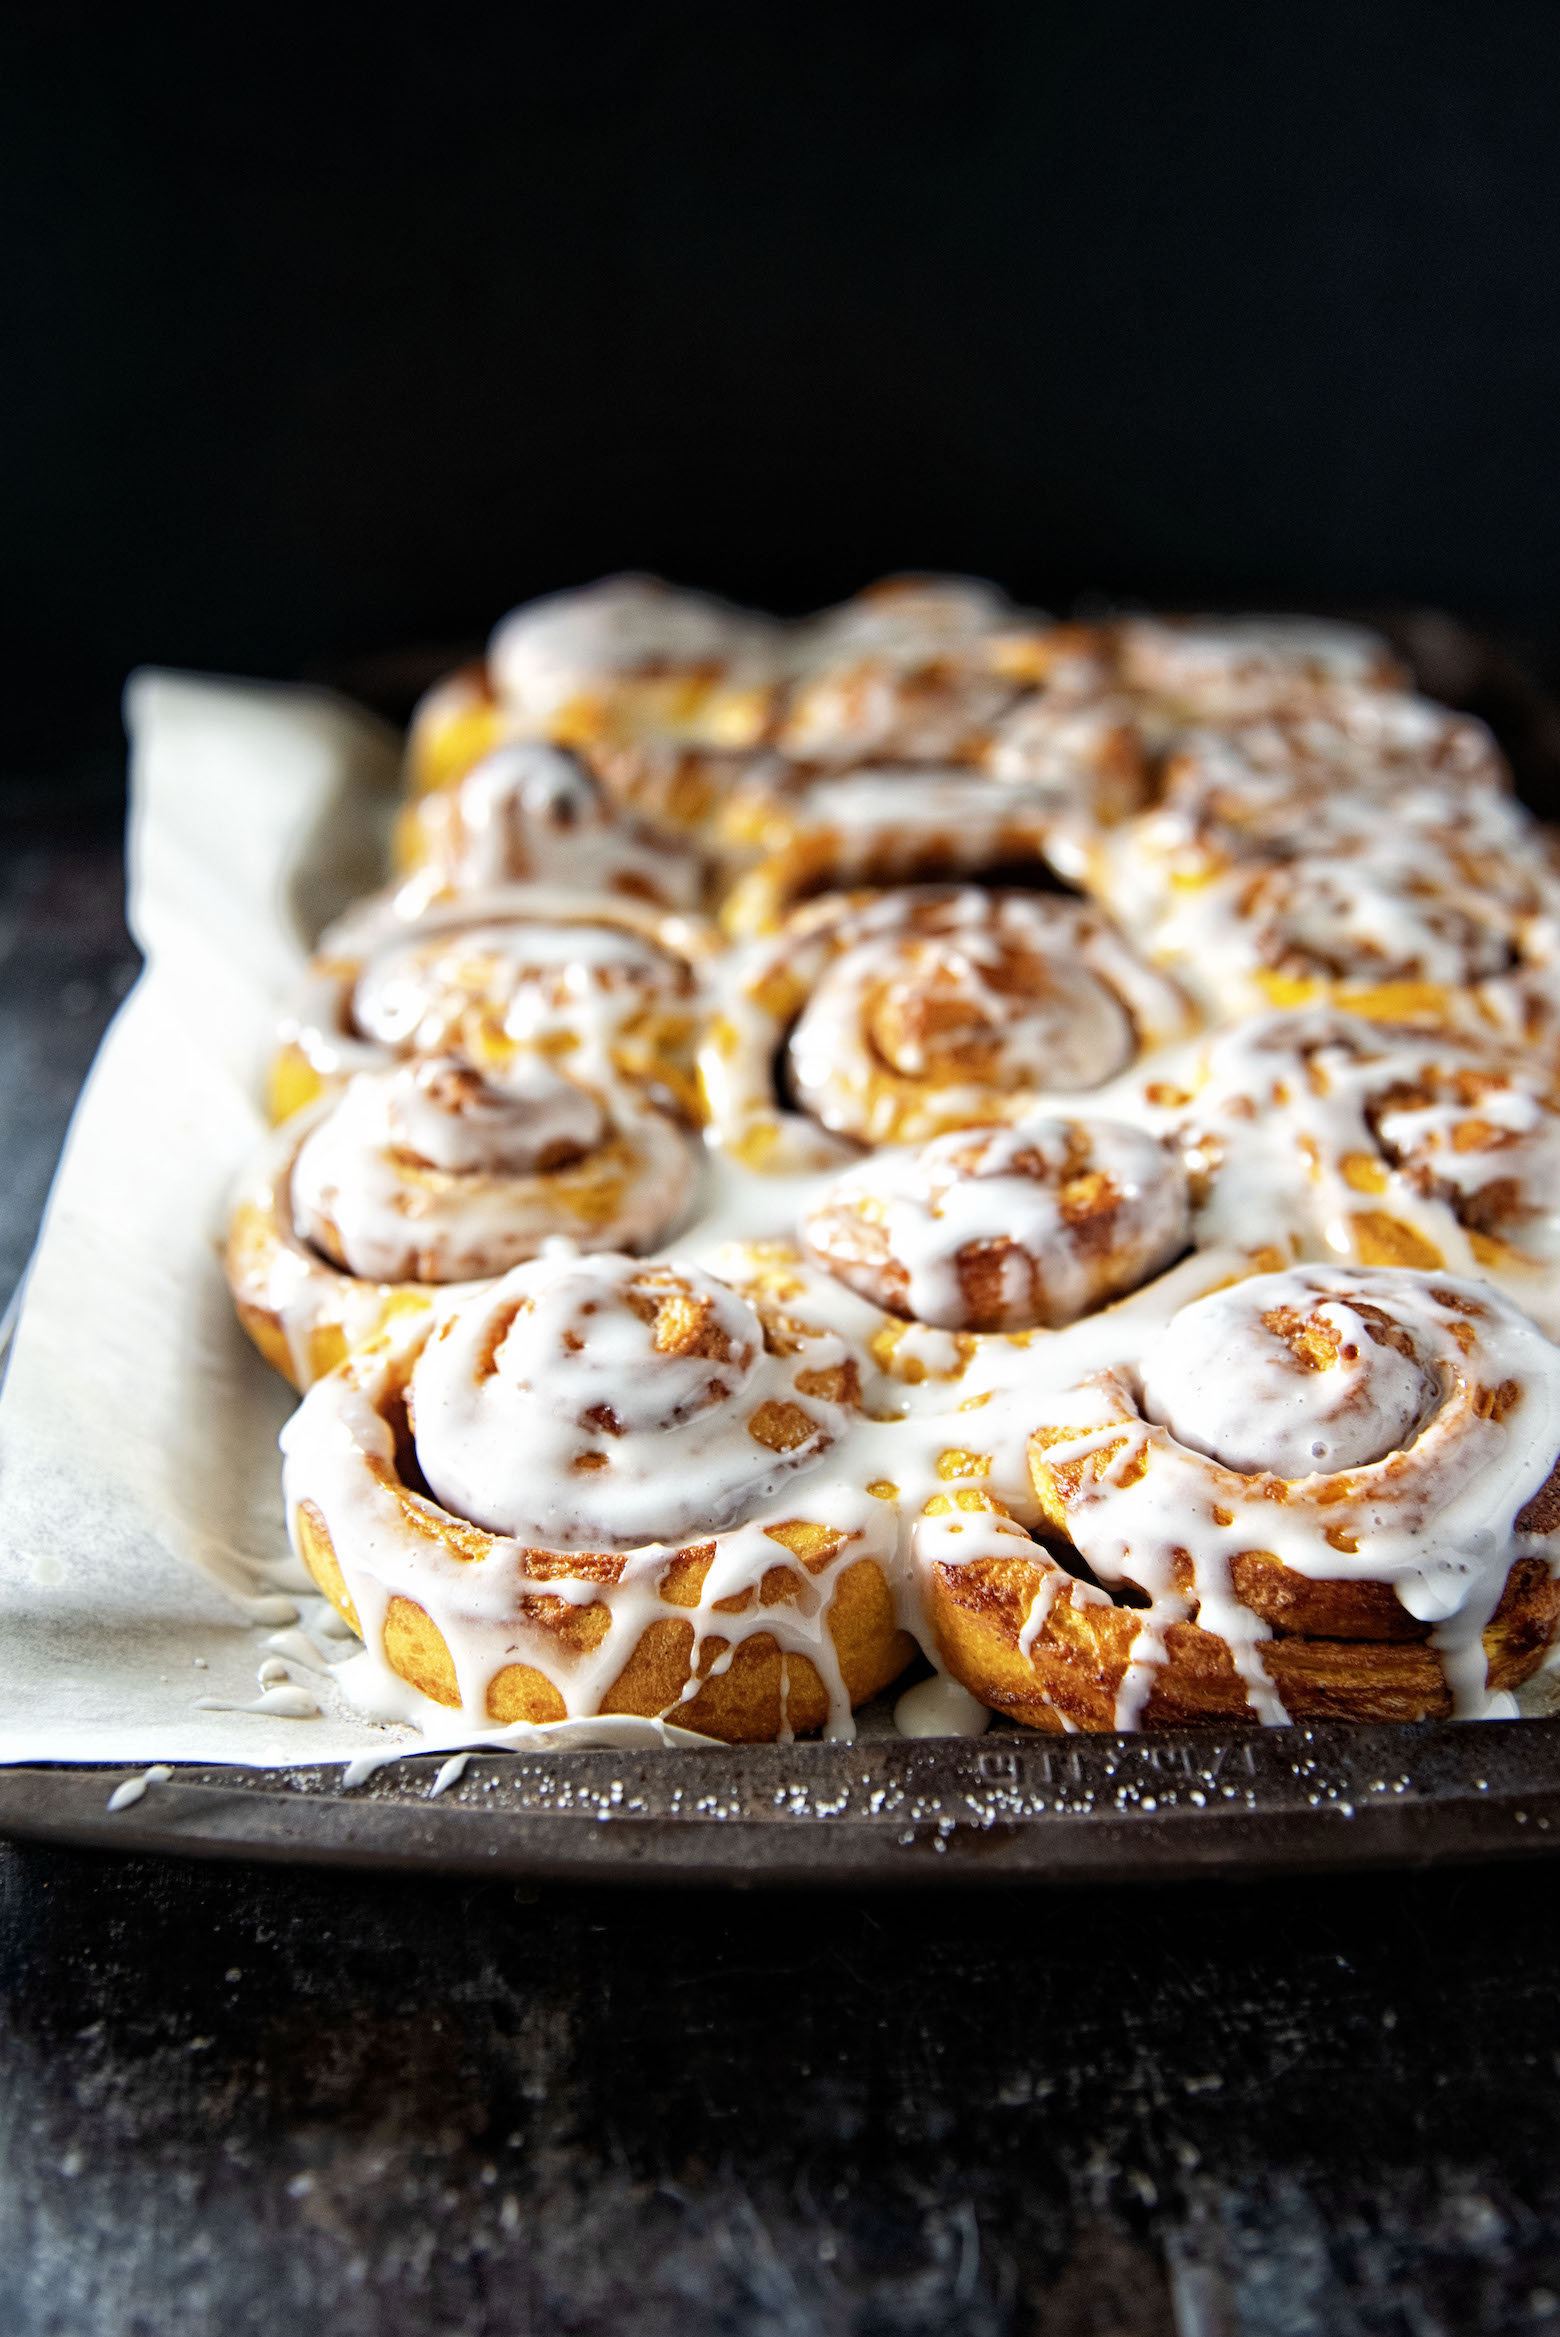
(138, 1465)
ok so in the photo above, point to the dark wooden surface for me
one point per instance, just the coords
(250, 2099)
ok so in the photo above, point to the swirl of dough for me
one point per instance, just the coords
(607, 990)
(1403, 923)
(529, 812)
(1368, 739)
(1319, 1491)
(913, 707)
(1484, 1140)
(1323, 1449)
(432, 1173)
(1007, 1229)
(915, 1029)
(1392, 914)
(914, 670)
(901, 1016)
(1287, 791)
(483, 983)
(598, 1402)
(385, 1196)
(1298, 1380)
(1271, 794)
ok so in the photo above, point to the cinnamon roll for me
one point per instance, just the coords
(1086, 756)
(1236, 805)
(597, 1487)
(1386, 1146)
(532, 813)
(1008, 1229)
(632, 655)
(1428, 924)
(426, 1174)
(1329, 1491)
(1243, 669)
(608, 991)
(1373, 741)
(453, 726)
(914, 670)
(897, 1017)
(881, 827)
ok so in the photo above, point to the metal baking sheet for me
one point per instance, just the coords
(999, 1808)
(1007, 1807)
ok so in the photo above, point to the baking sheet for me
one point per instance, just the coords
(885, 1812)
(143, 1566)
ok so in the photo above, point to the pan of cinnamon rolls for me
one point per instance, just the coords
(927, 1134)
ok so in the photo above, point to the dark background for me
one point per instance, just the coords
(336, 332)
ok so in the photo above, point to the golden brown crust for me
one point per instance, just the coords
(760, 1693)
(454, 725)
(1074, 1667)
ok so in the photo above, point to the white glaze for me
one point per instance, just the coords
(1440, 1527)
(530, 812)
(1225, 1381)
(583, 1430)
(939, 1707)
(1008, 1190)
(570, 645)
(429, 1172)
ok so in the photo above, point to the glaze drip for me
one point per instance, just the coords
(1006, 1230)
(600, 1402)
